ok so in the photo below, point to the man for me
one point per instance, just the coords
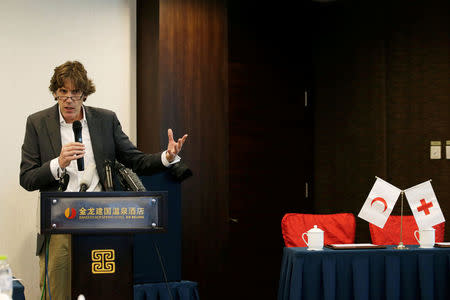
(49, 154)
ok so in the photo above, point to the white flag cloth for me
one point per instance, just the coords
(379, 203)
(424, 205)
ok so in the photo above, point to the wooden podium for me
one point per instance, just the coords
(103, 227)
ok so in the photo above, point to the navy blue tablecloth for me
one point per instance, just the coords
(18, 291)
(180, 290)
(366, 274)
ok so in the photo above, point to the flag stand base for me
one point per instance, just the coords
(401, 246)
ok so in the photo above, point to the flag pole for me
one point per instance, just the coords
(400, 245)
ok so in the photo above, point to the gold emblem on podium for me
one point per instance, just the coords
(103, 261)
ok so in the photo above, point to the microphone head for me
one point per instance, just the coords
(118, 166)
(76, 125)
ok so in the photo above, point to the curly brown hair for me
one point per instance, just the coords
(74, 71)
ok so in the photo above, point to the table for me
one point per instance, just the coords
(18, 290)
(366, 274)
(180, 290)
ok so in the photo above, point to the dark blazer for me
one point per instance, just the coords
(42, 143)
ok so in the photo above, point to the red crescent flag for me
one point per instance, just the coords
(379, 203)
(424, 205)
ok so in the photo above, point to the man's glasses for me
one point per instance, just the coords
(73, 98)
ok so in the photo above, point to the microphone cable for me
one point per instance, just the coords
(46, 278)
(163, 269)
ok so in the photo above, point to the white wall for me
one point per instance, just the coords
(35, 37)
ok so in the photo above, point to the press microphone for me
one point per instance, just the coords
(109, 186)
(76, 126)
(131, 179)
(86, 178)
(137, 182)
(63, 182)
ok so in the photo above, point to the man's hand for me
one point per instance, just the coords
(173, 148)
(70, 152)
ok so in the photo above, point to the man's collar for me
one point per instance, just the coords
(63, 122)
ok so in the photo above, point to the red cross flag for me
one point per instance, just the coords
(424, 205)
(379, 203)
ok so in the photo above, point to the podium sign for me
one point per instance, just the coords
(102, 212)
(102, 225)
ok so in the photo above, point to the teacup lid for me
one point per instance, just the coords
(315, 229)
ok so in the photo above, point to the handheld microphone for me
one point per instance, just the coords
(76, 126)
(86, 178)
(132, 181)
(109, 187)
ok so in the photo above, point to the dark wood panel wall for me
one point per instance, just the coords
(418, 97)
(350, 109)
(232, 74)
(382, 94)
(149, 104)
(182, 84)
(269, 142)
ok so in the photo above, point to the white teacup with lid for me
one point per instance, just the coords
(315, 238)
(426, 237)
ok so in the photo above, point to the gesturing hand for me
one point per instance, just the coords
(70, 152)
(173, 148)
